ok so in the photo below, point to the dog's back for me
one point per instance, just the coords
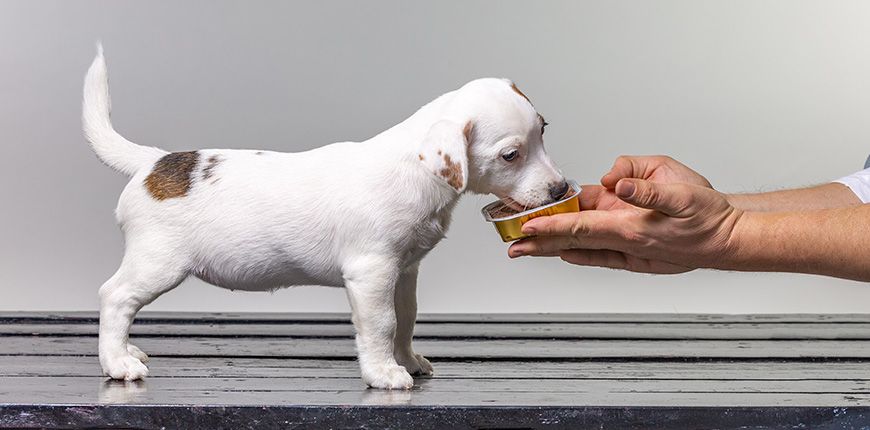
(257, 220)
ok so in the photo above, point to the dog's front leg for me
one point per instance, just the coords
(371, 284)
(406, 316)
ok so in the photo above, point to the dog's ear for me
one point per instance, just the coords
(444, 151)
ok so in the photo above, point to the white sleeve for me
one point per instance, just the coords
(859, 183)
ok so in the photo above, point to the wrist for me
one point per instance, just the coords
(740, 201)
(743, 247)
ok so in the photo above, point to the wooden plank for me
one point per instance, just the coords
(220, 367)
(430, 392)
(479, 349)
(163, 416)
(699, 331)
(542, 318)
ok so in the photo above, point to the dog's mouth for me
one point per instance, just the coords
(513, 205)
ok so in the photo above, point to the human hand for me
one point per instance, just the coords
(656, 168)
(653, 228)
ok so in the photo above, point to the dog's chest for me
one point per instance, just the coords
(426, 235)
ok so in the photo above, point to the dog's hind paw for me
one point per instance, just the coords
(136, 352)
(126, 367)
(416, 364)
(389, 378)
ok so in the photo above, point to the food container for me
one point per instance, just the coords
(508, 222)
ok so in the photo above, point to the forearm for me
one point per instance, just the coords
(833, 242)
(827, 196)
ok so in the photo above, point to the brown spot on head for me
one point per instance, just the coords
(172, 175)
(439, 152)
(452, 172)
(208, 170)
(517, 90)
(421, 157)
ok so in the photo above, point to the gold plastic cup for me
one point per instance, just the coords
(509, 223)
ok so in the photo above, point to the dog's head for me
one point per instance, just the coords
(491, 140)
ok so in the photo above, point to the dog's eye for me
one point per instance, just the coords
(511, 156)
(543, 126)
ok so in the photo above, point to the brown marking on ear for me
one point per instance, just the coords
(466, 131)
(421, 157)
(208, 170)
(171, 176)
(517, 90)
(452, 172)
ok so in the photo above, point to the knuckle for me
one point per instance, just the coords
(579, 228)
(631, 235)
(648, 195)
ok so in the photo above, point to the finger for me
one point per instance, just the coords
(540, 247)
(628, 166)
(590, 196)
(579, 224)
(551, 246)
(595, 257)
(619, 260)
(523, 249)
(670, 199)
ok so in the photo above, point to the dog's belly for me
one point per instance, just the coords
(255, 280)
(236, 275)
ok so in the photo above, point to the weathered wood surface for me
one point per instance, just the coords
(483, 330)
(492, 371)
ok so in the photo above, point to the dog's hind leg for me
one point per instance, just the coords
(406, 316)
(370, 284)
(140, 279)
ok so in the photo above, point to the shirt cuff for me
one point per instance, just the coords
(859, 183)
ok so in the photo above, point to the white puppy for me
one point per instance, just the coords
(358, 215)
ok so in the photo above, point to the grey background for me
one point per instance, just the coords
(757, 95)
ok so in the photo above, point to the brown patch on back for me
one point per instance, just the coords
(172, 175)
(517, 90)
(208, 170)
(452, 172)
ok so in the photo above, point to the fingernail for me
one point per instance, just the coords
(529, 230)
(517, 253)
(625, 190)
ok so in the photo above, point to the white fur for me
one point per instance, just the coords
(358, 215)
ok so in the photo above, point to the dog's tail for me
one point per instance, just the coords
(112, 148)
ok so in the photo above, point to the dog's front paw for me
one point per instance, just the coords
(389, 378)
(416, 364)
(124, 367)
(136, 352)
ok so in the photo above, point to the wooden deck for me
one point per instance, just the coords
(491, 371)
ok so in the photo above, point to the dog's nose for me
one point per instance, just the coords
(558, 190)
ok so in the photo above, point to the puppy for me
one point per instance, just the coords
(358, 215)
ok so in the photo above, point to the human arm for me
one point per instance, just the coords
(825, 196)
(832, 242)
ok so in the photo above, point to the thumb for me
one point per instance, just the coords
(670, 199)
